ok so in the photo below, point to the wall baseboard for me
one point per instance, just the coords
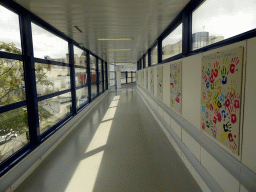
(239, 171)
(203, 178)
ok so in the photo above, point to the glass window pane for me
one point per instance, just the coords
(9, 31)
(146, 59)
(79, 57)
(100, 75)
(93, 83)
(129, 80)
(94, 90)
(13, 131)
(100, 81)
(51, 78)
(112, 75)
(81, 77)
(216, 20)
(53, 110)
(49, 46)
(111, 67)
(99, 65)
(154, 56)
(92, 62)
(12, 85)
(172, 44)
(123, 74)
(129, 74)
(112, 82)
(81, 96)
(123, 81)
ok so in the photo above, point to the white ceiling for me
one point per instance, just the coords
(143, 20)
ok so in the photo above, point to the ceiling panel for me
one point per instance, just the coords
(143, 20)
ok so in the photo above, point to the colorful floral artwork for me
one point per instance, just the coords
(221, 96)
(151, 80)
(146, 79)
(160, 82)
(175, 86)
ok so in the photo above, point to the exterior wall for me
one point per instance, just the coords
(191, 95)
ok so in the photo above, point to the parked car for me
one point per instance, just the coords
(7, 135)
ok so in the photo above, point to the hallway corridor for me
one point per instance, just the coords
(117, 147)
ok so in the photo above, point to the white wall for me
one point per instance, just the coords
(191, 96)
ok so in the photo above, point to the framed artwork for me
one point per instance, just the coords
(151, 80)
(221, 89)
(175, 86)
(160, 83)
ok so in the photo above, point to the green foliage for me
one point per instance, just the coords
(15, 120)
(12, 89)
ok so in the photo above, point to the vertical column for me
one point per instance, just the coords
(89, 76)
(72, 75)
(30, 78)
(159, 50)
(186, 32)
(118, 77)
(97, 75)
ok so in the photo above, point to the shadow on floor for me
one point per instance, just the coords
(118, 147)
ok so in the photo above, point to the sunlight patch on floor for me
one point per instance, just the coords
(114, 103)
(85, 176)
(109, 114)
(86, 173)
(101, 136)
(116, 97)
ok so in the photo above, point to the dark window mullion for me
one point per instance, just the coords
(44, 97)
(30, 78)
(102, 72)
(97, 75)
(88, 76)
(149, 57)
(126, 75)
(7, 55)
(159, 51)
(106, 68)
(144, 61)
(12, 106)
(186, 32)
(72, 75)
(45, 61)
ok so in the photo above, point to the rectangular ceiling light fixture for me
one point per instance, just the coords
(115, 39)
(118, 49)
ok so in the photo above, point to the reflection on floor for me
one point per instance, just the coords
(118, 147)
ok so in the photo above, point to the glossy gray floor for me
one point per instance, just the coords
(117, 147)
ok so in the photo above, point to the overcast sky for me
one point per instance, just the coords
(218, 17)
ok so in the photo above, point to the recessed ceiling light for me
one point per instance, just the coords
(118, 49)
(115, 39)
